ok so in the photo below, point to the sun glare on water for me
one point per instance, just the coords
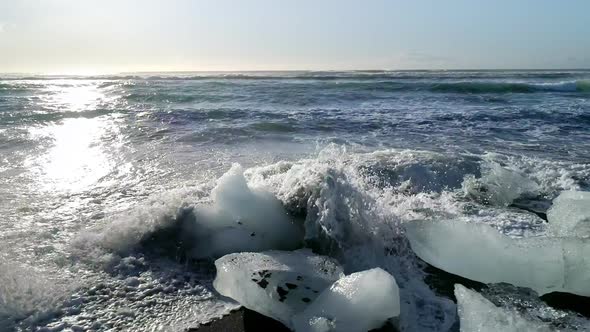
(76, 158)
(73, 96)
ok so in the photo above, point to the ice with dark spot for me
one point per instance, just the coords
(282, 293)
(263, 283)
(284, 278)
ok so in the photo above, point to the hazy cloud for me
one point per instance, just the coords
(424, 57)
(577, 61)
(418, 59)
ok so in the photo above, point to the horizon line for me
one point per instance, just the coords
(289, 70)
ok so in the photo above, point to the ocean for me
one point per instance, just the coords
(96, 172)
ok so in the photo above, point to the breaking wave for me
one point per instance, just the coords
(28, 295)
(353, 207)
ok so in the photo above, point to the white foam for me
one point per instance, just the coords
(350, 215)
(550, 176)
(124, 231)
(236, 218)
(27, 294)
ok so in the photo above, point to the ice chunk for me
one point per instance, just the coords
(241, 219)
(570, 214)
(499, 185)
(477, 314)
(359, 302)
(479, 252)
(236, 218)
(277, 284)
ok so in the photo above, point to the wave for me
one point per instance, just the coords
(355, 89)
(460, 87)
(28, 296)
(35, 118)
(154, 97)
(353, 206)
(507, 87)
(318, 75)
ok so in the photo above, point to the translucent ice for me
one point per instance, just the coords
(479, 252)
(477, 314)
(570, 214)
(277, 284)
(241, 219)
(358, 302)
(499, 185)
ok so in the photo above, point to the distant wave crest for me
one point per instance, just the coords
(508, 87)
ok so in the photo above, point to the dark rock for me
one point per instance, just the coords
(566, 301)
(246, 320)
(443, 283)
(242, 320)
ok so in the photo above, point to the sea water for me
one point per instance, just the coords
(97, 175)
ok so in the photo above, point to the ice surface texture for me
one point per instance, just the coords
(479, 252)
(477, 314)
(275, 283)
(499, 185)
(359, 302)
(308, 292)
(241, 219)
(570, 214)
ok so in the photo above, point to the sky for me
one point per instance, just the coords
(103, 36)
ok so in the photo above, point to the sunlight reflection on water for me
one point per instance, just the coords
(76, 158)
(76, 97)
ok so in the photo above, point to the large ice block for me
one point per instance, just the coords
(277, 284)
(479, 252)
(570, 214)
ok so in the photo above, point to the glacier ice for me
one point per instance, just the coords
(570, 214)
(358, 302)
(479, 252)
(499, 185)
(241, 218)
(277, 284)
(477, 314)
(308, 292)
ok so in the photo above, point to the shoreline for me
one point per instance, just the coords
(246, 320)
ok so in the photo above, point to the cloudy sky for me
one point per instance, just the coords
(92, 36)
